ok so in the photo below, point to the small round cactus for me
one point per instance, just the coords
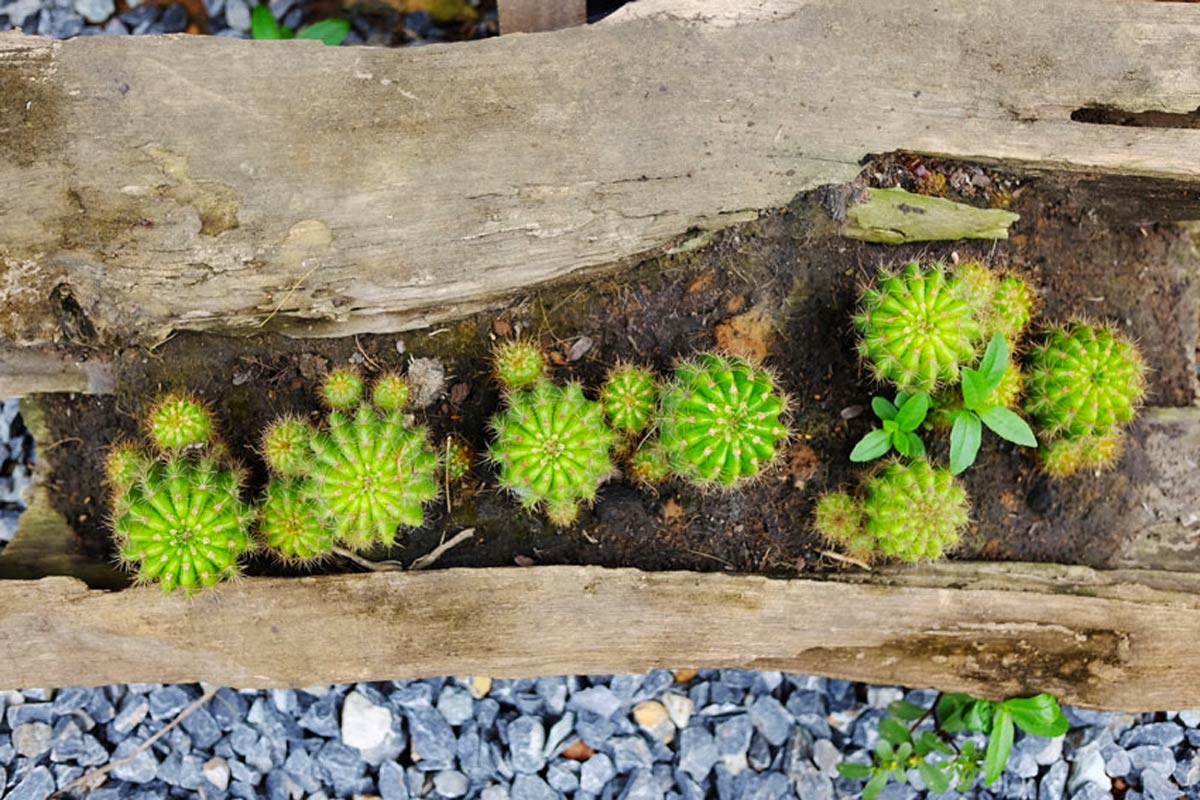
(917, 331)
(839, 518)
(975, 284)
(390, 392)
(124, 464)
(342, 389)
(290, 523)
(370, 474)
(649, 464)
(179, 420)
(914, 511)
(457, 457)
(518, 363)
(1083, 380)
(552, 447)
(628, 398)
(1062, 458)
(721, 420)
(287, 446)
(1011, 308)
(183, 525)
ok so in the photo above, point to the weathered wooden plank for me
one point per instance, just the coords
(1123, 645)
(536, 16)
(195, 182)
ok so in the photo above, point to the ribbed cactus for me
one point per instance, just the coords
(648, 464)
(179, 420)
(914, 511)
(390, 392)
(628, 398)
(1083, 380)
(342, 389)
(181, 524)
(721, 420)
(552, 447)
(1062, 458)
(916, 330)
(839, 518)
(287, 446)
(1011, 308)
(518, 363)
(291, 524)
(124, 464)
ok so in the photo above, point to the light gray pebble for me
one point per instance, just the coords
(759, 754)
(630, 753)
(167, 701)
(814, 786)
(596, 772)
(142, 768)
(642, 785)
(826, 756)
(771, 719)
(769, 786)
(38, 784)
(1187, 771)
(883, 696)
(1156, 785)
(598, 700)
(1152, 756)
(1167, 734)
(451, 783)
(456, 705)
(697, 752)
(553, 692)
(733, 735)
(526, 741)
(1116, 760)
(391, 782)
(1190, 717)
(237, 15)
(32, 739)
(561, 777)
(495, 791)
(531, 787)
(432, 738)
(556, 738)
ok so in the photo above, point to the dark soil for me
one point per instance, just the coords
(792, 265)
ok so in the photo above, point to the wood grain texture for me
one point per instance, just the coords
(156, 184)
(536, 16)
(1127, 646)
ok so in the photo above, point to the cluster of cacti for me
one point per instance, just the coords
(910, 510)
(178, 517)
(1085, 381)
(358, 480)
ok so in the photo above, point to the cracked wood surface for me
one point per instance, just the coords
(155, 184)
(1099, 640)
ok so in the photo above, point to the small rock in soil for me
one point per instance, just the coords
(426, 380)
(364, 724)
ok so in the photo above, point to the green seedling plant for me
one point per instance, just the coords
(900, 422)
(980, 407)
(935, 751)
(330, 31)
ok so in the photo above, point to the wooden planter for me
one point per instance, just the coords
(151, 186)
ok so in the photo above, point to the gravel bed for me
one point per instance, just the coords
(16, 458)
(719, 733)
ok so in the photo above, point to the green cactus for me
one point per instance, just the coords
(1062, 458)
(342, 389)
(839, 518)
(178, 420)
(518, 364)
(390, 393)
(291, 523)
(1083, 380)
(287, 446)
(649, 464)
(916, 330)
(720, 420)
(124, 464)
(628, 398)
(183, 525)
(914, 511)
(370, 474)
(975, 284)
(552, 447)
(1011, 309)
(457, 457)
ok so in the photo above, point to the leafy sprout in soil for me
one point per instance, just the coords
(900, 422)
(330, 31)
(982, 405)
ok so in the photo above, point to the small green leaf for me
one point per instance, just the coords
(912, 413)
(949, 710)
(896, 732)
(883, 749)
(965, 437)
(263, 24)
(902, 398)
(883, 408)
(1038, 715)
(915, 446)
(905, 710)
(979, 715)
(848, 769)
(890, 425)
(871, 446)
(286, 33)
(935, 779)
(930, 742)
(902, 444)
(875, 785)
(974, 388)
(904, 751)
(1007, 425)
(994, 363)
(330, 31)
(998, 746)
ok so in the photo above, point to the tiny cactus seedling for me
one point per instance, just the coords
(917, 331)
(1011, 308)
(290, 523)
(287, 446)
(457, 457)
(1083, 380)
(552, 447)
(183, 525)
(720, 420)
(370, 474)
(1062, 458)
(839, 518)
(124, 465)
(649, 464)
(914, 511)
(628, 398)
(342, 389)
(390, 392)
(518, 363)
(976, 285)
(178, 420)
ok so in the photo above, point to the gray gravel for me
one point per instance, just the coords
(16, 457)
(721, 733)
